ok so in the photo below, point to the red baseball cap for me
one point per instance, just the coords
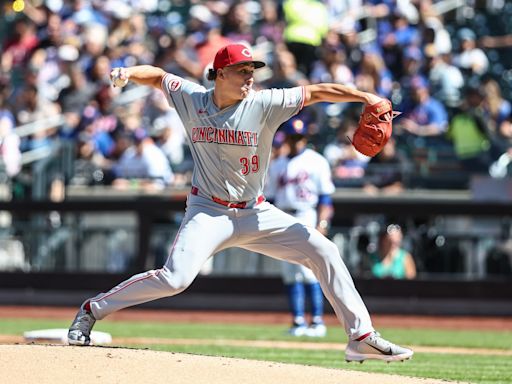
(233, 54)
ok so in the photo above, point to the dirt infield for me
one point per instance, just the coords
(65, 364)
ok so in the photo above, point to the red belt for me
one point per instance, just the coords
(242, 204)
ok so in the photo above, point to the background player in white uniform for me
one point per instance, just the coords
(299, 183)
(230, 130)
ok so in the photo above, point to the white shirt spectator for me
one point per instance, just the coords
(470, 57)
(446, 82)
(442, 40)
(145, 160)
(169, 132)
(10, 154)
(474, 59)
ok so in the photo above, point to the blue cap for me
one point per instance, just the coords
(466, 34)
(278, 139)
(295, 126)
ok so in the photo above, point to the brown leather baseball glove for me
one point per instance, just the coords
(374, 128)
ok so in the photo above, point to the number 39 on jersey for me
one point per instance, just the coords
(250, 164)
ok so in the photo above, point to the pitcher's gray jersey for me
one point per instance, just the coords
(231, 147)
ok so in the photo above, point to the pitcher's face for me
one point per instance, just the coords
(239, 78)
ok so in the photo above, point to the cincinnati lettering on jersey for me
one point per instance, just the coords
(224, 136)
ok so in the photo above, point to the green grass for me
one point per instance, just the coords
(467, 368)
(414, 336)
(481, 369)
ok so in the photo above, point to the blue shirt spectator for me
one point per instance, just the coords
(423, 115)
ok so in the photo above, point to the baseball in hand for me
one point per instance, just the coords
(118, 77)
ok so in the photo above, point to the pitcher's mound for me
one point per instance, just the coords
(49, 364)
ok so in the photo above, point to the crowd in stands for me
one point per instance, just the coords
(56, 56)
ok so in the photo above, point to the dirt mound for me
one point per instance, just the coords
(51, 364)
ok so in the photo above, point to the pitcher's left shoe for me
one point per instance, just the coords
(80, 330)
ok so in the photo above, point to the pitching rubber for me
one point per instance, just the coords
(60, 336)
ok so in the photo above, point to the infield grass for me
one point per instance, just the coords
(474, 368)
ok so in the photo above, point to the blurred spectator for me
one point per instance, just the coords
(496, 110)
(412, 60)
(100, 71)
(306, 25)
(435, 36)
(206, 38)
(284, 71)
(10, 154)
(344, 160)
(385, 172)
(390, 260)
(121, 27)
(77, 94)
(73, 99)
(82, 12)
(143, 164)
(18, 47)
(502, 167)
(505, 132)
(237, 23)
(331, 68)
(353, 49)
(412, 63)
(53, 34)
(90, 166)
(373, 75)
(52, 67)
(402, 33)
(169, 135)
(422, 114)
(31, 108)
(469, 133)
(270, 27)
(99, 121)
(470, 59)
(446, 80)
(128, 41)
(344, 15)
(95, 38)
(179, 57)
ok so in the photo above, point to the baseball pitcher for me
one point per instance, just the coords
(230, 130)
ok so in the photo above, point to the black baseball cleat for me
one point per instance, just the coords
(375, 347)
